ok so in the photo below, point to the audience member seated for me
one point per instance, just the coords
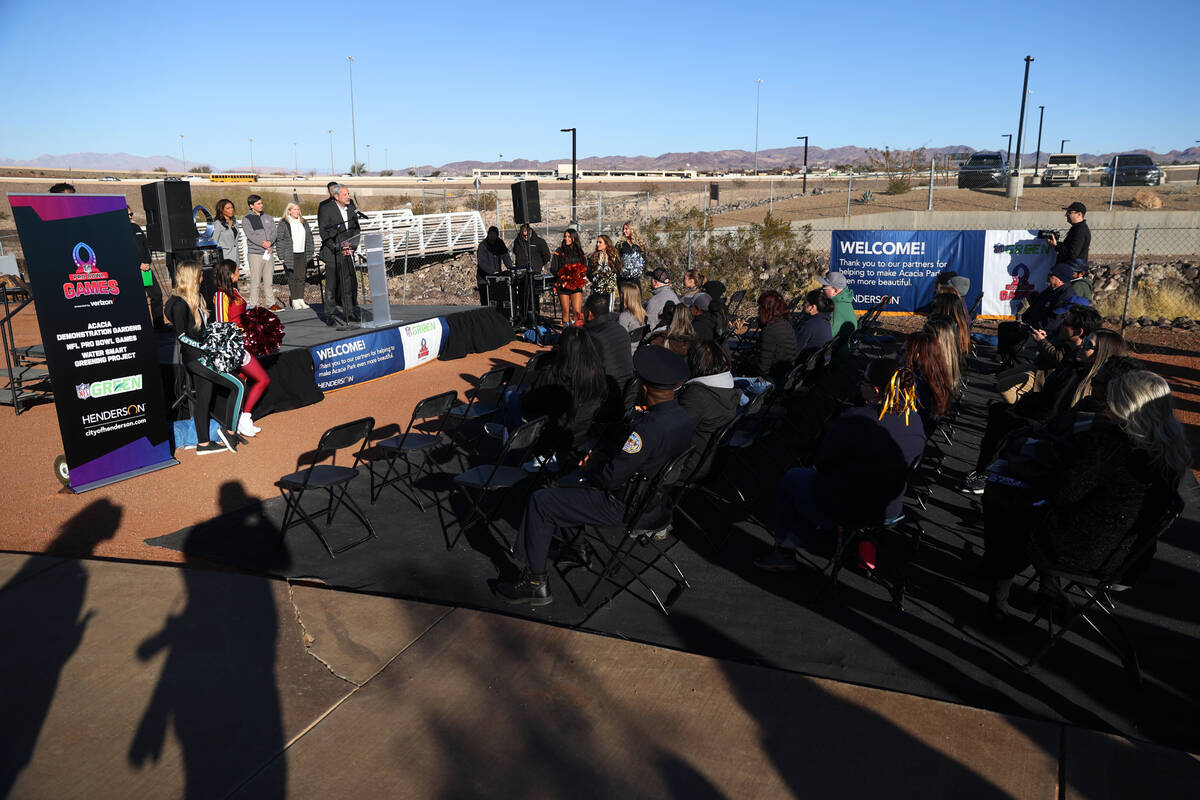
(569, 393)
(935, 392)
(706, 323)
(946, 332)
(679, 334)
(1076, 497)
(593, 496)
(613, 343)
(709, 397)
(1044, 313)
(693, 280)
(1064, 388)
(661, 293)
(949, 305)
(815, 328)
(633, 316)
(859, 474)
(776, 339)
(1077, 323)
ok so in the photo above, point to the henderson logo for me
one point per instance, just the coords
(86, 279)
(135, 410)
(129, 383)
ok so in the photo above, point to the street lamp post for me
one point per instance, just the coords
(804, 188)
(574, 175)
(1015, 187)
(1008, 153)
(252, 154)
(353, 132)
(757, 98)
(1038, 159)
(385, 161)
(1198, 169)
(1062, 144)
(182, 157)
(296, 158)
(368, 159)
(332, 171)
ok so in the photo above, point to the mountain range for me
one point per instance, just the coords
(705, 161)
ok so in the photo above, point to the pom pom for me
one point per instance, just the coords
(264, 331)
(572, 276)
(223, 346)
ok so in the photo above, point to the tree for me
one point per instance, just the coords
(199, 168)
(160, 169)
(435, 173)
(412, 173)
(358, 168)
(386, 173)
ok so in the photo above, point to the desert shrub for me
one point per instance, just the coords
(898, 186)
(1149, 300)
(651, 189)
(201, 168)
(160, 169)
(386, 173)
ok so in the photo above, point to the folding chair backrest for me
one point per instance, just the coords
(525, 436)
(432, 407)
(637, 334)
(735, 302)
(870, 320)
(494, 380)
(648, 491)
(704, 466)
(345, 435)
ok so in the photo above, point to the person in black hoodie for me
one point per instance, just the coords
(613, 342)
(491, 258)
(816, 328)
(709, 397)
(529, 250)
(1044, 313)
(705, 322)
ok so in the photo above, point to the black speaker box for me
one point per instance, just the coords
(714, 191)
(170, 226)
(527, 207)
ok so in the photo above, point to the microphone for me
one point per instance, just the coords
(360, 214)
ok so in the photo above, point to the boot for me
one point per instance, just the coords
(530, 589)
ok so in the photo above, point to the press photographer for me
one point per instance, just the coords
(1075, 245)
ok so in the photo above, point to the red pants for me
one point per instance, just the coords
(254, 375)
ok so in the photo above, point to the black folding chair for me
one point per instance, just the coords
(638, 335)
(1096, 591)
(706, 467)
(536, 363)
(735, 303)
(477, 482)
(330, 478)
(649, 505)
(382, 459)
(492, 383)
(869, 325)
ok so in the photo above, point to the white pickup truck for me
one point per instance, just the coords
(1061, 168)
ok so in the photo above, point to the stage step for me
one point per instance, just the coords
(31, 352)
(24, 397)
(30, 373)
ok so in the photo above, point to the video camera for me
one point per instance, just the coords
(1047, 234)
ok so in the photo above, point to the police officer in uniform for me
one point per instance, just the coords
(594, 498)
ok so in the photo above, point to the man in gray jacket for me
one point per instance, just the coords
(260, 231)
(661, 293)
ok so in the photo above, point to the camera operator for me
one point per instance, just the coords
(1075, 245)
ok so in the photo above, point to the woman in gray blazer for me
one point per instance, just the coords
(294, 246)
(225, 231)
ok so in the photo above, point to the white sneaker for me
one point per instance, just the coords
(297, 304)
(246, 425)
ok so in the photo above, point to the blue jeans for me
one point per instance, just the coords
(796, 511)
(750, 387)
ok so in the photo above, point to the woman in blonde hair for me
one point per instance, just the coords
(187, 313)
(633, 315)
(1101, 482)
(294, 245)
(632, 250)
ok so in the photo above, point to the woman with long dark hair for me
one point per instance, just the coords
(951, 306)
(569, 391)
(569, 265)
(924, 356)
(777, 338)
(604, 266)
(229, 306)
(225, 230)
(186, 311)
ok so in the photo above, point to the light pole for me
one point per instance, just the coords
(353, 133)
(368, 159)
(182, 157)
(296, 158)
(1008, 154)
(332, 171)
(1062, 144)
(385, 161)
(1198, 169)
(252, 154)
(574, 174)
(804, 189)
(1021, 129)
(1038, 159)
(757, 98)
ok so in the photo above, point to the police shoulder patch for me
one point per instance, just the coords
(633, 444)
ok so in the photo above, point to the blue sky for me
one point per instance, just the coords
(465, 80)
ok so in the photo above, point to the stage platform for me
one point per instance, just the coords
(305, 328)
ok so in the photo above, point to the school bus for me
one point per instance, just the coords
(233, 177)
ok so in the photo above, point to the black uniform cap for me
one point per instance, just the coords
(659, 368)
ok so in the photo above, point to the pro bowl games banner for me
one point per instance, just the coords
(903, 264)
(374, 354)
(100, 346)
(1016, 265)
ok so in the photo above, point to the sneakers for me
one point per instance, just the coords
(246, 426)
(275, 307)
(529, 589)
(298, 304)
(780, 559)
(228, 440)
(538, 463)
(210, 447)
(975, 483)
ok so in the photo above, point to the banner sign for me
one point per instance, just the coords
(1016, 265)
(100, 345)
(376, 354)
(903, 264)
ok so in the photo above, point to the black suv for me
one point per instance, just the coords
(1131, 169)
(983, 169)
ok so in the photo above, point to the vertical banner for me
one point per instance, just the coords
(422, 341)
(903, 264)
(1015, 267)
(100, 346)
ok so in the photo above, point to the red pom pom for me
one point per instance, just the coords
(264, 331)
(572, 276)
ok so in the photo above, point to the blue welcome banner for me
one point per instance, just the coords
(375, 354)
(904, 264)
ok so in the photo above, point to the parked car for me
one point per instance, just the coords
(983, 170)
(110, 178)
(1131, 169)
(1061, 168)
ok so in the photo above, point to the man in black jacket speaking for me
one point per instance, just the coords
(338, 222)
